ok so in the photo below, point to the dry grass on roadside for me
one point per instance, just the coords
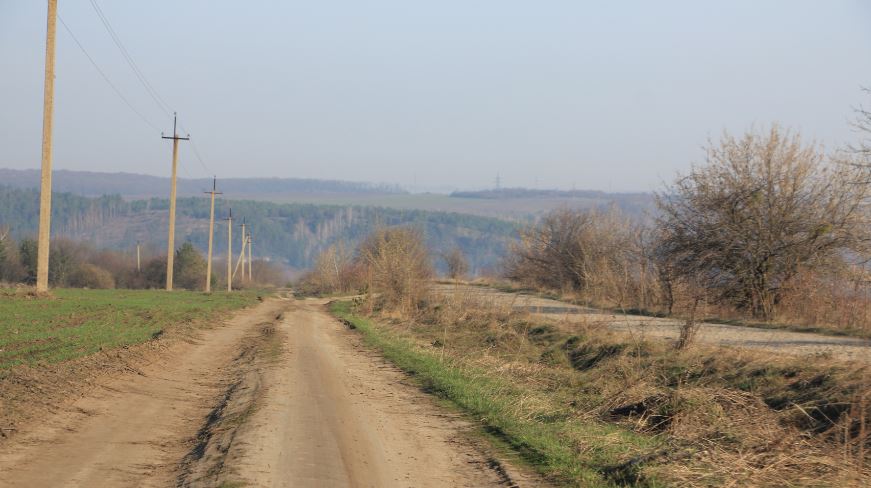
(716, 417)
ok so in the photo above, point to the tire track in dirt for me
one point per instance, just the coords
(280, 395)
(336, 414)
(134, 429)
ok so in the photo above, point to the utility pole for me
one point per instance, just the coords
(45, 183)
(211, 234)
(250, 240)
(138, 262)
(241, 260)
(170, 255)
(242, 256)
(230, 251)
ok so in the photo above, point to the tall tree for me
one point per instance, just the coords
(763, 207)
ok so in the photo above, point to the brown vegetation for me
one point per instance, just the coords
(702, 417)
(643, 412)
(392, 266)
(455, 263)
(763, 208)
(768, 229)
(75, 264)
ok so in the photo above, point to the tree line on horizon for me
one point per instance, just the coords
(290, 234)
(769, 228)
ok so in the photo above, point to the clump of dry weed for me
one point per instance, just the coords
(725, 417)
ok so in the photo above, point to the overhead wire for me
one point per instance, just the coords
(143, 80)
(149, 88)
(196, 151)
(105, 77)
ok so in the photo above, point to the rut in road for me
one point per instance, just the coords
(133, 429)
(335, 414)
(279, 395)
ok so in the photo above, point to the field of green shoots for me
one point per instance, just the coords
(73, 322)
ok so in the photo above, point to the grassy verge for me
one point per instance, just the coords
(546, 437)
(73, 322)
(596, 408)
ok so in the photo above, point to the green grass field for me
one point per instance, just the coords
(73, 323)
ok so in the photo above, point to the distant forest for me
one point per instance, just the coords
(506, 193)
(638, 205)
(96, 184)
(293, 234)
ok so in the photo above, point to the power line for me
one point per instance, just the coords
(149, 88)
(200, 158)
(126, 54)
(196, 151)
(105, 77)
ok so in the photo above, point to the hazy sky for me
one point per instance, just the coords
(605, 95)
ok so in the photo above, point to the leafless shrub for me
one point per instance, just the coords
(456, 263)
(583, 251)
(396, 265)
(334, 272)
(863, 125)
(88, 275)
(267, 273)
(763, 207)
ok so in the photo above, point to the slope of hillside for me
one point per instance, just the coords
(290, 233)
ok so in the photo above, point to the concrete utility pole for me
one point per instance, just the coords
(138, 262)
(250, 240)
(241, 260)
(45, 183)
(211, 234)
(244, 243)
(230, 251)
(170, 255)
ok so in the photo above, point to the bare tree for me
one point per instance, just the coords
(763, 206)
(863, 125)
(456, 263)
(583, 251)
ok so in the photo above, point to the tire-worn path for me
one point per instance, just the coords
(335, 414)
(311, 408)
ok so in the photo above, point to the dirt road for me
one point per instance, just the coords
(334, 414)
(569, 316)
(281, 395)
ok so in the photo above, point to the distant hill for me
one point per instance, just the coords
(142, 186)
(292, 234)
(512, 204)
(635, 204)
(515, 193)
